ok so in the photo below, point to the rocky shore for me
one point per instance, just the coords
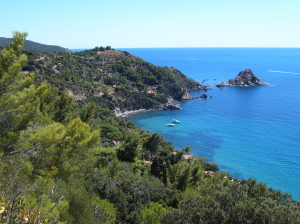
(127, 113)
(171, 105)
(244, 78)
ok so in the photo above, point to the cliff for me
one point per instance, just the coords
(244, 78)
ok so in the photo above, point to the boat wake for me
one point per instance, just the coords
(284, 72)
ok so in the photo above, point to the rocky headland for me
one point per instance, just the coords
(244, 78)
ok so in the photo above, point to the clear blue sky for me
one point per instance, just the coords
(154, 23)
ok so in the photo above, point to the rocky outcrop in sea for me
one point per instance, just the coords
(244, 78)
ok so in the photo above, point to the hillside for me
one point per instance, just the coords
(112, 79)
(30, 45)
(65, 163)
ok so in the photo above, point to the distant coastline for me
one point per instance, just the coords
(31, 45)
(80, 49)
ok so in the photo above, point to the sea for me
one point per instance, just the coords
(250, 132)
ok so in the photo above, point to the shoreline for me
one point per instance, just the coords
(131, 112)
(125, 114)
(170, 105)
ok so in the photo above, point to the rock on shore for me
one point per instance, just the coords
(244, 78)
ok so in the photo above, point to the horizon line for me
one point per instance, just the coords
(179, 47)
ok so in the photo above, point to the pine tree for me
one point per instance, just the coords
(18, 102)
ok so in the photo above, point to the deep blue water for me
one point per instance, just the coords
(251, 132)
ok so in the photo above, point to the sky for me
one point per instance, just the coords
(78, 24)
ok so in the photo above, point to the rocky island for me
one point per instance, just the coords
(62, 153)
(244, 78)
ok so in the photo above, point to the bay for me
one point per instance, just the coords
(251, 132)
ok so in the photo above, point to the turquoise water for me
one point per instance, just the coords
(250, 132)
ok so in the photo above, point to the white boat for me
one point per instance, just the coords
(175, 121)
(170, 125)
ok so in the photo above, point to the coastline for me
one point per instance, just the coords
(242, 104)
(125, 114)
(131, 112)
(170, 105)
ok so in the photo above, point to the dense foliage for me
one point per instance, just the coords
(61, 163)
(112, 79)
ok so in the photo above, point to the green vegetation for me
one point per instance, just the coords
(61, 163)
(112, 79)
(30, 45)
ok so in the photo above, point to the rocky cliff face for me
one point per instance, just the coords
(244, 78)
